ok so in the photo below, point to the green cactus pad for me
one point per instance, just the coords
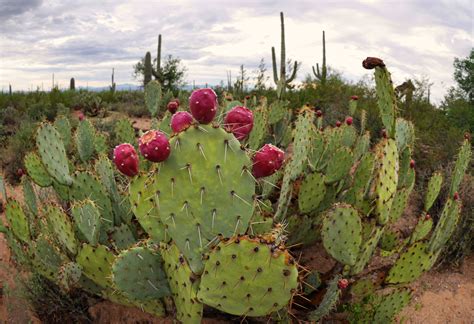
(85, 140)
(405, 134)
(422, 229)
(69, 275)
(317, 149)
(153, 307)
(386, 99)
(165, 124)
(62, 191)
(339, 165)
(96, 263)
(46, 258)
(101, 145)
(312, 192)
(29, 196)
(259, 129)
(62, 228)
(36, 170)
(63, 126)
(87, 186)
(304, 129)
(411, 264)
(385, 182)
(153, 97)
(404, 176)
(389, 241)
(432, 191)
(391, 305)
(184, 285)
(137, 273)
(18, 221)
(446, 225)
(362, 288)
(301, 230)
(261, 223)
(247, 278)
(329, 301)
(367, 250)
(362, 146)
(144, 207)
(3, 189)
(462, 163)
(349, 135)
(122, 237)
(125, 132)
(342, 233)
(204, 189)
(87, 219)
(311, 282)
(399, 204)
(278, 110)
(53, 154)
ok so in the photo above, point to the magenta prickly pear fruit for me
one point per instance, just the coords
(180, 121)
(319, 113)
(349, 121)
(80, 116)
(343, 283)
(20, 172)
(338, 124)
(126, 159)
(239, 121)
(154, 146)
(203, 105)
(384, 133)
(427, 217)
(412, 164)
(456, 196)
(267, 161)
(172, 106)
(354, 98)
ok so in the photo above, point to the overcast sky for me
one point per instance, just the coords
(85, 39)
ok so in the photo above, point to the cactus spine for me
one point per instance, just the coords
(321, 75)
(281, 80)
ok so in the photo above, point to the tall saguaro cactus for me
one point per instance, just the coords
(321, 75)
(72, 84)
(281, 81)
(149, 70)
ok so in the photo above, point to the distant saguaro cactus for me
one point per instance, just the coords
(72, 84)
(321, 75)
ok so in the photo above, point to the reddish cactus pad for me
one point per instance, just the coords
(172, 106)
(267, 161)
(126, 159)
(203, 105)
(154, 146)
(180, 121)
(239, 121)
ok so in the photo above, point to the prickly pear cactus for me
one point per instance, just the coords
(248, 277)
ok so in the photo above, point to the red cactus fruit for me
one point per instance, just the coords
(384, 133)
(203, 105)
(154, 146)
(343, 283)
(267, 161)
(319, 113)
(427, 217)
(180, 121)
(239, 121)
(412, 164)
(338, 124)
(126, 159)
(172, 106)
(354, 97)
(20, 172)
(349, 121)
(80, 116)
(456, 196)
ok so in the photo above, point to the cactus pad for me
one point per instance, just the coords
(153, 97)
(87, 219)
(63, 126)
(46, 258)
(385, 182)
(36, 170)
(96, 263)
(399, 204)
(29, 196)
(386, 99)
(53, 154)
(329, 301)
(367, 250)
(446, 225)
(339, 165)
(18, 221)
(391, 304)
(62, 228)
(248, 278)
(405, 134)
(342, 233)
(304, 129)
(462, 162)
(122, 237)
(85, 140)
(277, 112)
(411, 264)
(312, 192)
(204, 189)
(184, 285)
(432, 191)
(125, 132)
(422, 229)
(69, 275)
(259, 130)
(137, 272)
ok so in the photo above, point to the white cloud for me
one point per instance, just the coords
(85, 39)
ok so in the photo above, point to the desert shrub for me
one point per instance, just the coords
(132, 110)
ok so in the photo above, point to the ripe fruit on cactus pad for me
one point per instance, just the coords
(343, 283)
(239, 121)
(338, 124)
(354, 98)
(180, 121)
(126, 159)
(349, 121)
(203, 105)
(154, 146)
(267, 161)
(172, 106)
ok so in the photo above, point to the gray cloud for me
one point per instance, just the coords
(11, 8)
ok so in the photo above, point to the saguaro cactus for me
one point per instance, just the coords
(282, 82)
(72, 84)
(149, 70)
(321, 75)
